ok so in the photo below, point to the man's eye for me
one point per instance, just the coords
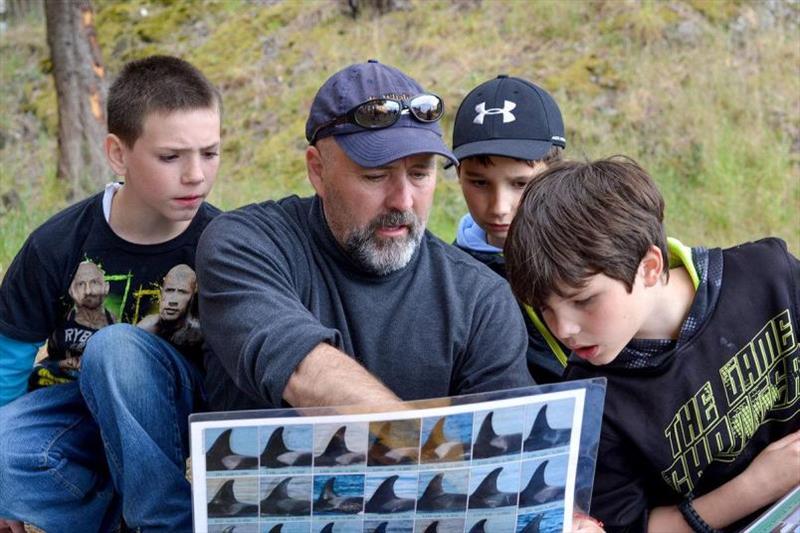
(420, 175)
(480, 184)
(210, 155)
(168, 158)
(520, 184)
(583, 302)
(374, 177)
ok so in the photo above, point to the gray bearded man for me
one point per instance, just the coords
(345, 297)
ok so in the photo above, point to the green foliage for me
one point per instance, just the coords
(703, 93)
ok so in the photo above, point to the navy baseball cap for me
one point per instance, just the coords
(360, 83)
(508, 117)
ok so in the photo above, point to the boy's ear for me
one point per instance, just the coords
(116, 152)
(314, 166)
(652, 266)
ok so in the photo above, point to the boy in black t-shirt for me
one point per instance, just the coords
(701, 425)
(507, 130)
(104, 432)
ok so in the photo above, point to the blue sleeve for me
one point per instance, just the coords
(16, 361)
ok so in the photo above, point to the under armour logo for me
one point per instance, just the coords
(508, 116)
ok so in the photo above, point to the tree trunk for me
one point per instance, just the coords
(81, 89)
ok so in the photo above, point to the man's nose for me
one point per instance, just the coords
(400, 197)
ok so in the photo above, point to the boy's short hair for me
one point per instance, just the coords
(156, 84)
(553, 155)
(578, 219)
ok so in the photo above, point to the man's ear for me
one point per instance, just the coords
(116, 152)
(652, 266)
(315, 166)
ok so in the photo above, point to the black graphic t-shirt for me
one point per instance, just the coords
(695, 417)
(53, 280)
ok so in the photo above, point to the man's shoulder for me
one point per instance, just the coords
(258, 223)
(463, 264)
(291, 207)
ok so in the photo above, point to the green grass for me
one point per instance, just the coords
(703, 93)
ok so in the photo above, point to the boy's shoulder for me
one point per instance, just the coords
(80, 216)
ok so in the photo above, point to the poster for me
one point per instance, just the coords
(477, 465)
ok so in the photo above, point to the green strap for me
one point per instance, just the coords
(681, 255)
(548, 337)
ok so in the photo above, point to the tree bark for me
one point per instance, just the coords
(81, 88)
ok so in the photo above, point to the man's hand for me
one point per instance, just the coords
(11, 526)
(328, 377)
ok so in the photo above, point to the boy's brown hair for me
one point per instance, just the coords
(156, 84)
(553, 155)
(578, 219)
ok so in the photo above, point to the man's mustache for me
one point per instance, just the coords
(394, 218)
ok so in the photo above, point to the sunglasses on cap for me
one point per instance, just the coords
(383, 112)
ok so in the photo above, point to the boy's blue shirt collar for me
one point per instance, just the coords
(472, 237)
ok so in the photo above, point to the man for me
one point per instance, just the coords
(344, 298)
(175, 321)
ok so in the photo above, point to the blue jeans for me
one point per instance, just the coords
(73, 456)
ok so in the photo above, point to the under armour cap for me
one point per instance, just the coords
(360, 83)
(508, 117)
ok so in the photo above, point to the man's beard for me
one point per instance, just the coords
(384, 256)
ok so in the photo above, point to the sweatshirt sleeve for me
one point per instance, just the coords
(495, 355)
(249, 269)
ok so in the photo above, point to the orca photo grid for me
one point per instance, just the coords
(503, 466)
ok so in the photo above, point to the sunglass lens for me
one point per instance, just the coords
(426, 107)
(377, 113)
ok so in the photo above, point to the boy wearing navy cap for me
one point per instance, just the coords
(507, 130)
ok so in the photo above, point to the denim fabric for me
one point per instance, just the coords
(74, 455)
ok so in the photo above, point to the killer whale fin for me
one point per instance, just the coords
(385, 491)
(328, 528)
(281, 490)
(221, 457)
(479, 526)
(224, 494)
(435, 439)
(486, 433)
(534, 525)
(381, 527)
(537, 491)
(276, 528)
(434, 488)
(543, 436)
(219, 449)
(488, 486)
(337, 444)
(327, 491)
(275, 447)
(433, 527)
(224, 503)
(537, 480)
